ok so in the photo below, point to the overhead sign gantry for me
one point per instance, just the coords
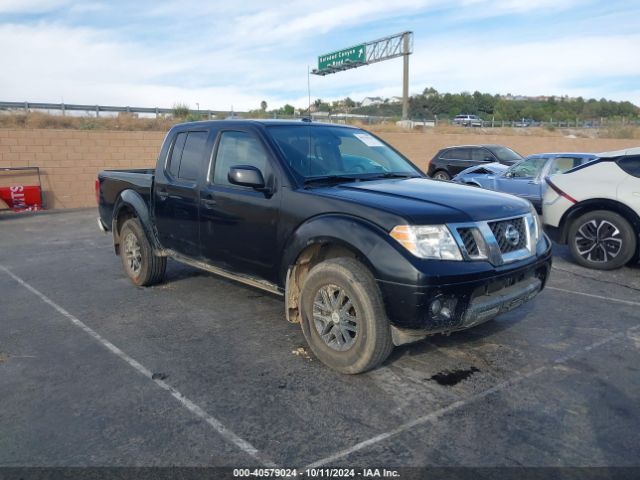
(399, 45)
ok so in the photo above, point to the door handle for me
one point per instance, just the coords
(208, 202)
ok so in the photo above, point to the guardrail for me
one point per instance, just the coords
(551, 123)
(63, 107)
(320, 116)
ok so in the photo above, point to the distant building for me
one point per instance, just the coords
(369, 101)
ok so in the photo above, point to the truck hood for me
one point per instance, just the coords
(425, 201)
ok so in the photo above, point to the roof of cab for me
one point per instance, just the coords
(259, 121)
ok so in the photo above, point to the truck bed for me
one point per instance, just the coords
(112, 182)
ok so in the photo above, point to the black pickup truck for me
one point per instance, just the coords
(365, 249)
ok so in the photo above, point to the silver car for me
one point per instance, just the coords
(524, 179)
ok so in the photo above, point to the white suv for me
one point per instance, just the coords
(595, 209)
(468, 120)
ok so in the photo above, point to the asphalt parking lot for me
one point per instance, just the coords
(201, 371)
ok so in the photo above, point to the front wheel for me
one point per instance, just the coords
(143, 267)
(343, 316)
(602, 240)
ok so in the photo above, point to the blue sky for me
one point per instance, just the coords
(235, 54)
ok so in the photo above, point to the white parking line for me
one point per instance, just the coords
(224, 432)
(618, 300)
(461, 403)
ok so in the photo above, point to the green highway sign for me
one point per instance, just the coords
(337, 59)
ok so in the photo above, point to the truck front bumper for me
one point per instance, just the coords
(416, 311)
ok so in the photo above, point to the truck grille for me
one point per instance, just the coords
(470, 244)
(497, 241)
(511, 235)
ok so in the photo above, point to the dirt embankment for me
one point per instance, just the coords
(421, 147)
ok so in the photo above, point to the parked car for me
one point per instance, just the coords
(526, 122)
(467, 120)
(450, 161)
(595, 209)
(365, 258)
(526, 178)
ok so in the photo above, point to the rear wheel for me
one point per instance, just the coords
(601, 239)
(143, 267)
(441, 175)
(343, 316)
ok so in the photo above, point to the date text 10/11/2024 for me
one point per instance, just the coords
(316, 473)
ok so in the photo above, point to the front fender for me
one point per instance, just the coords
(132, 200)
(371, 243)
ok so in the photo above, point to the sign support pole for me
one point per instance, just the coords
(405, 76)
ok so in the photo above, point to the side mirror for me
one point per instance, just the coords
(488, 159)
(246, 176)
(508, 174)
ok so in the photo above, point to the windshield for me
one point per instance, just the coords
(506, 155)
(321, 151)
(529, 168)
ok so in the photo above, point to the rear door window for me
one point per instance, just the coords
(457, 154)
(187, 155)
(481, 155)
(193, 155)
(630, 165)
(176, 154)
(562, 164)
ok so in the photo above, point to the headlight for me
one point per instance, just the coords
(537, 227)
(427, 241)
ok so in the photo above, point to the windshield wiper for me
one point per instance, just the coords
(331, 179)
(390, 175)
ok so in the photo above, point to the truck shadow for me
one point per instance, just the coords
(462, 337)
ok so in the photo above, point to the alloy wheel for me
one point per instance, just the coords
(132, 254)
(598, 241)
(335, 317)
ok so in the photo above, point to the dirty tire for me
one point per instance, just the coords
(371, 343)
(140, 264)
(610, 236)
(441, 175)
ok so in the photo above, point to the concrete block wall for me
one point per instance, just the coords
(70, 159)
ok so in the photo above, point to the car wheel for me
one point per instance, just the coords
(343, 316)
(602, 240)
(441, 175)
(143, 267)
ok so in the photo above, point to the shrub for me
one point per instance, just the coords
(180, 110)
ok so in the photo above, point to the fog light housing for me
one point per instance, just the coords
(443, 308)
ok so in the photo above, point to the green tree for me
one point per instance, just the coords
(263, 105)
